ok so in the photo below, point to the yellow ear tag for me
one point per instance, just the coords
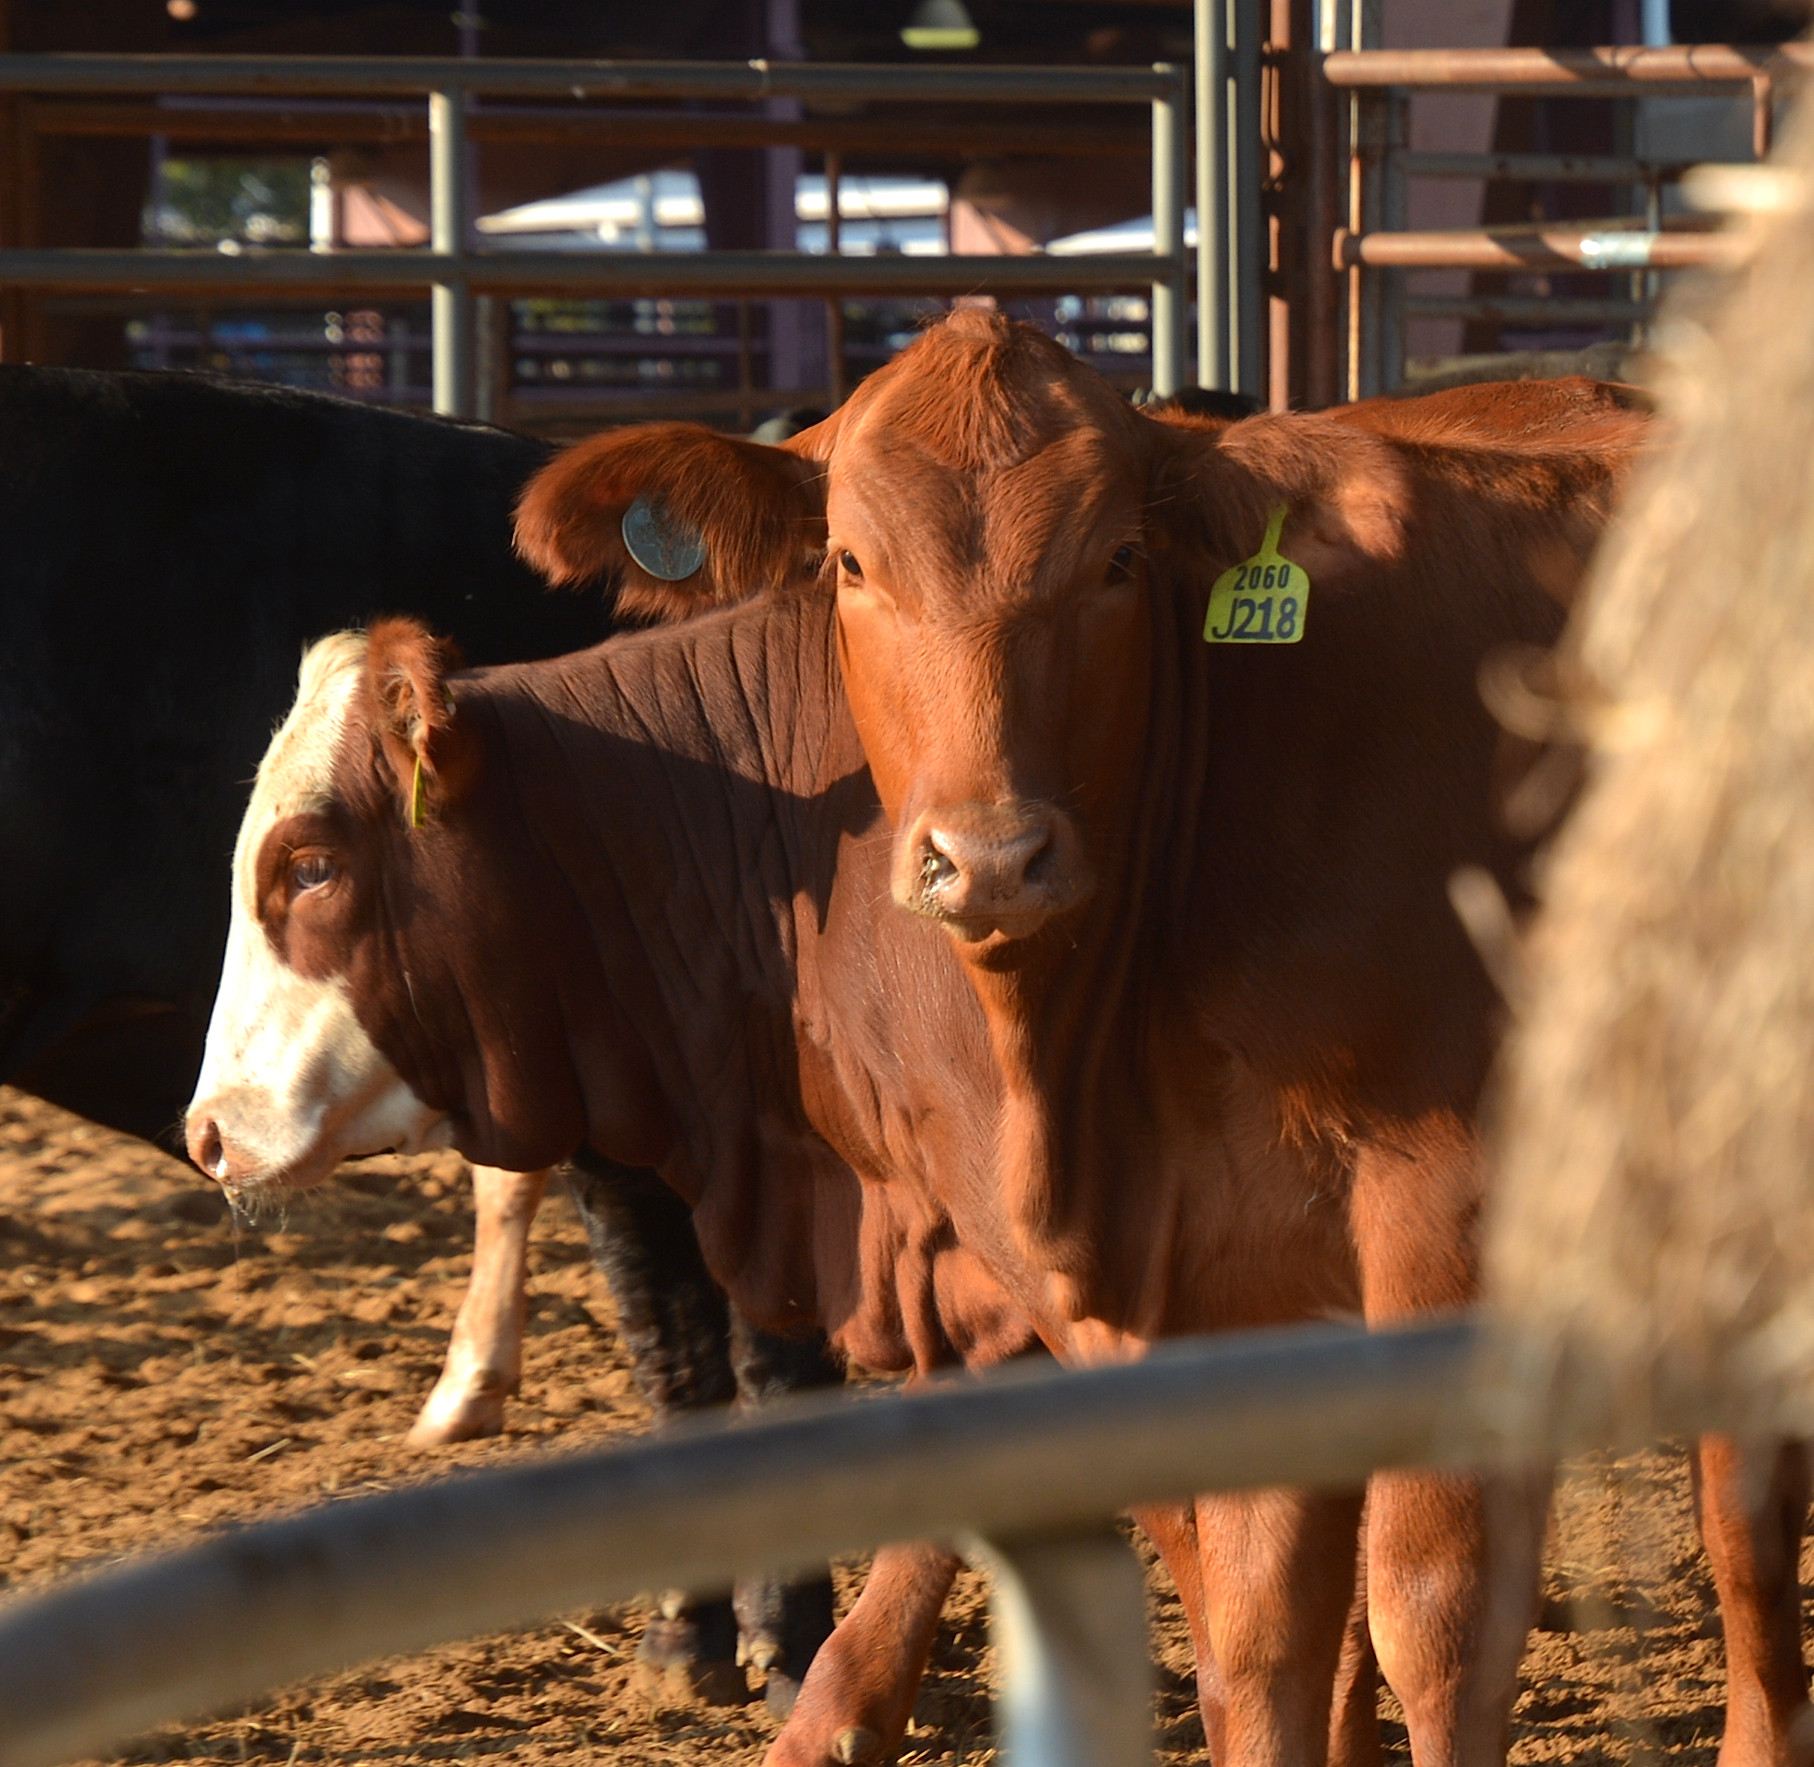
(1262, 601)
(417, 797)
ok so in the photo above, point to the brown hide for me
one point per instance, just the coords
(649, 913)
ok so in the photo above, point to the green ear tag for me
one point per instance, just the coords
(1262, 601)
(417, 797)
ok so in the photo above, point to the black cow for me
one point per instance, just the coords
(170, 545)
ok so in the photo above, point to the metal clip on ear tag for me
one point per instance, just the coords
(667, 550)
(417, 797)
(1263, 600)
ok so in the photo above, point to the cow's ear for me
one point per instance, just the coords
(679, 517)
(1346, 494)
(425, 747)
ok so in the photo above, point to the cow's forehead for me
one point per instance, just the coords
(297, 773)
(1025, 520)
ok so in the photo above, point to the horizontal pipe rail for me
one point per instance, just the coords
(1547, 168)
(1586, 73)
(1545, 311)
(1539, 248)
(1026, 1453)
(339, 75)
(627, 273)
(889, 134)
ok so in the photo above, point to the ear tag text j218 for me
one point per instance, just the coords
(417, 796)
(666, 549)
(1261, 601)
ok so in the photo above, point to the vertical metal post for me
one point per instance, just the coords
(449, 213)
(834, 305)
(1248, 306)
(1366, 148)
(1068, 1617)
(1211, 24)
(1393, 215)
(1168, 312)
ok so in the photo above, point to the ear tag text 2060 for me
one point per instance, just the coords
(1261, 601)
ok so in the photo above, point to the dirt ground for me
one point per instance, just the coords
(164, 1373)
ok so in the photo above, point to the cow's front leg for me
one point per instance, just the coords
(1752, 1509)
(858, 1695)
(1278, 1584)
(485, 1354)
(1452, 1570)
(1452, 1562)
(1354, 1739)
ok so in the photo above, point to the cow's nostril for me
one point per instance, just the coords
(1042, 861)
(207, 1149)
(937, 867)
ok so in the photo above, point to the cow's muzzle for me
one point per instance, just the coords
(984, 870)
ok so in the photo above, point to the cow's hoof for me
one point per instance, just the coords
(856, 1747)
(780, 1695)
(457, 1417)
(672, 1671)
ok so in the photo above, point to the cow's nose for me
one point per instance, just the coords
(207, 1148)
(989, 868)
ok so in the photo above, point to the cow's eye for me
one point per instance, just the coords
(309, 871)
(1122, 564)
(848, 561)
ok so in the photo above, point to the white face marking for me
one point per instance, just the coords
(291, 1085)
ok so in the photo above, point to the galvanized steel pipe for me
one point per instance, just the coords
(1029, 1452)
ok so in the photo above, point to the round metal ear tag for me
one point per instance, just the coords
(664, 549)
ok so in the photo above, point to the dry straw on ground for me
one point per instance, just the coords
(1652, 1245)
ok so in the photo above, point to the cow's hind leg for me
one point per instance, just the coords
(1752, 1509)
(781, 1622)
(689, 1352)
(485, 1354)
(674, 1323)
(858, 1695)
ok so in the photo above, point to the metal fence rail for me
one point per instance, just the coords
(454, 270)
(1374, 248)
(1023, 1466)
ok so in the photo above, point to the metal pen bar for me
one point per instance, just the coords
(1549, 247)
(1249, 256)
(449, 218)
(339, 75)
(1026, 1453)
(1547, 168)
(1169, 297)
(1067, 1617)
(1544, 311)
(623, 273)
(1394, 212)
(887, 133)
(1211, 25)
(1586, 73)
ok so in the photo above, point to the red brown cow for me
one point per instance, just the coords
(1199, 892)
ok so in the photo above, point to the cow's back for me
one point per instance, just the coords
(171, 543)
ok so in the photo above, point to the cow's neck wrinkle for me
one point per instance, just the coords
(801, 1026)
(651, 766)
